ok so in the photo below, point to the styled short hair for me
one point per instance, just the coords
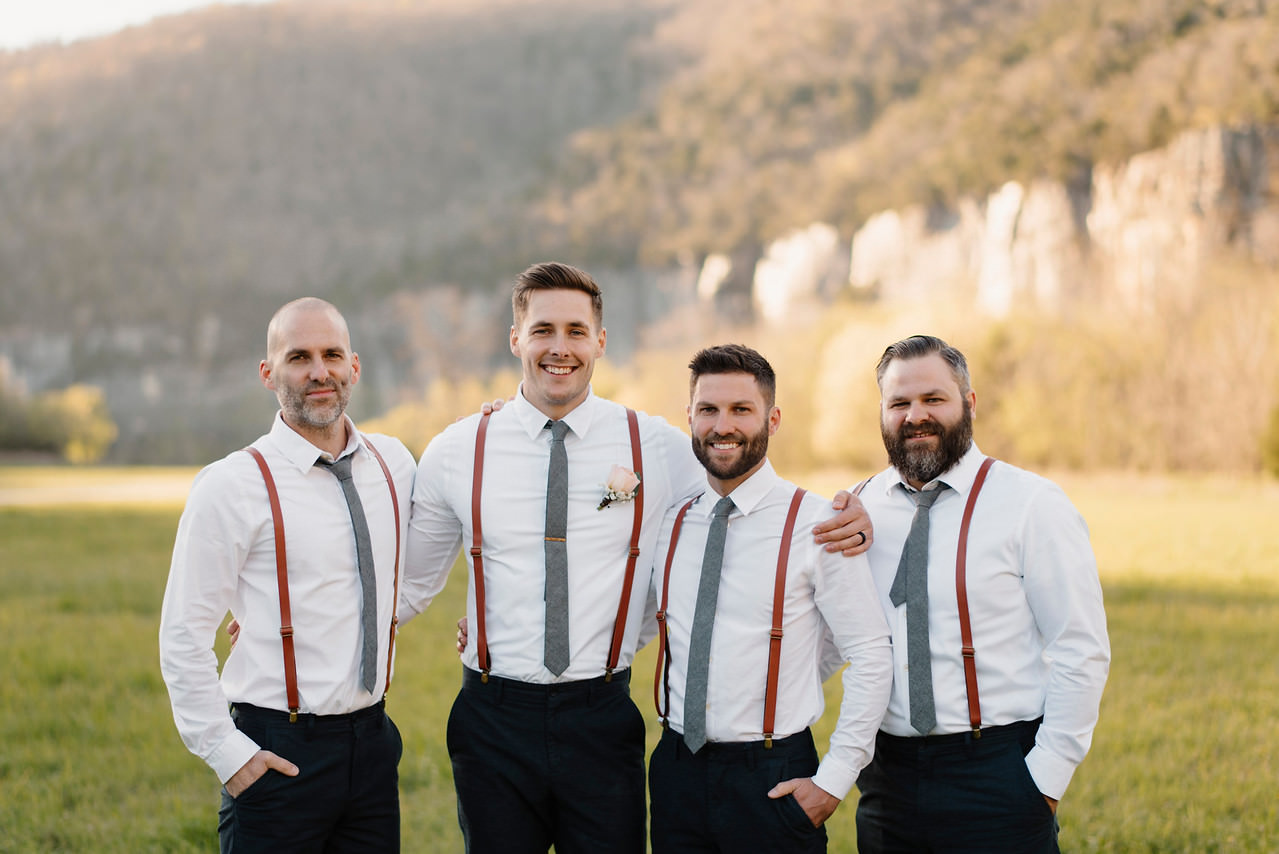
(926, 345)
(734, 359)
(554, 276)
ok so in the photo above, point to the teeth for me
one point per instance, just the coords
(724, 446)
(558, 370)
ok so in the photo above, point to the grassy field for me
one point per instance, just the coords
(1184, 760)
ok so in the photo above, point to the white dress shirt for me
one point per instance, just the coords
(516, 461)
(224, 558)
(1035, 603)
(822, 590)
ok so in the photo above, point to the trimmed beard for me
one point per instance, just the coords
(301, 411)
(922, 465)
(754, 449)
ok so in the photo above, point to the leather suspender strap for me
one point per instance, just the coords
(619, 625)
(477, 541)
(662, 678)
(282, 582)
(961, 595)
(477, 556)
(775, 634)
(395, 602)
(282, 577)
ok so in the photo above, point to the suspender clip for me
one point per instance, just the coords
(293, 715)
(976, 732)
(608, 674)
(768, 741)
(484, 676)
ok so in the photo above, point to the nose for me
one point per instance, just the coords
(724, 423)
(317, 370)
(917, 413)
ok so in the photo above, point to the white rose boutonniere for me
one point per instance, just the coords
(621, 485)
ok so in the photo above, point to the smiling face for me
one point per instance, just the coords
(731, 423)
(311, 369)
(925, 420)
(557, 341)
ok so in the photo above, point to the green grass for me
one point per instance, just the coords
(1184, 760)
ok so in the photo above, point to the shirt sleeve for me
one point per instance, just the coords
(435, 531)
(846, 598)
(1064, 592)
(212, 543)
(685, 474)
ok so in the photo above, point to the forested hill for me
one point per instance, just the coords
(163, 188)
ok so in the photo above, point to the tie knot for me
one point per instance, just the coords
(723, 507)
(925, 498)
(559, 429)
(341, 468)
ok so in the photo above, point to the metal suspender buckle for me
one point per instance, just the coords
(484, 676)
(293, 714)
(768, 741)
(608, 674)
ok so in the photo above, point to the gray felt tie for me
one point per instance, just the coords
(911, 586)
(699, 647)
(364, 559)
(556, 549)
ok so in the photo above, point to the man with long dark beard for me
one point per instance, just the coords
(743, 613)
(999, 634)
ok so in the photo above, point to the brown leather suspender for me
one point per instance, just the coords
(775, 633)
(619, 625)
(477, 554)
(282, 581)
(775, 636)
(961, 596)
(663, 675)
(967, 649)
(282, 578)
(477, 542)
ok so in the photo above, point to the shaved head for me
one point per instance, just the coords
(275, 337)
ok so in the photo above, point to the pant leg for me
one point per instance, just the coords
(717, 799)
(370, 821)
(287, 815)
(498, 758)
(596, 744)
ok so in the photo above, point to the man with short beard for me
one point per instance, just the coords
(999, 634)
(738, 681)
(299, 536)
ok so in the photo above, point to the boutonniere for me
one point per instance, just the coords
(622, 484)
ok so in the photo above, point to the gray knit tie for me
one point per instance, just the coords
(364, 560)
(555, 547)
(911, 586)
(699, 647)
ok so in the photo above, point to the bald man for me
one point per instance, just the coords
(299, 536)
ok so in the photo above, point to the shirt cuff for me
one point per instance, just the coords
(834, 778)
(231, 755)
(1050, 773)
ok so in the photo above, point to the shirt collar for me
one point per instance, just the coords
(301, 453)
(958, 477)
(533, 420)
(746, 497)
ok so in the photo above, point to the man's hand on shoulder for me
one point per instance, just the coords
(818, 804)
(252, 771)
(849, 530)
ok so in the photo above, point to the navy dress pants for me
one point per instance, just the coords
(954, 794)
(717, 799)
(345, 797)
(542, 765)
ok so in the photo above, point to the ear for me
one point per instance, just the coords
(599, 349)
(688, 410)
(515, 342)
(774, 420)
(264, 373)
(972, 402)
(355, 368)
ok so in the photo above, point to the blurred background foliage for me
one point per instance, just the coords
(163, 189)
